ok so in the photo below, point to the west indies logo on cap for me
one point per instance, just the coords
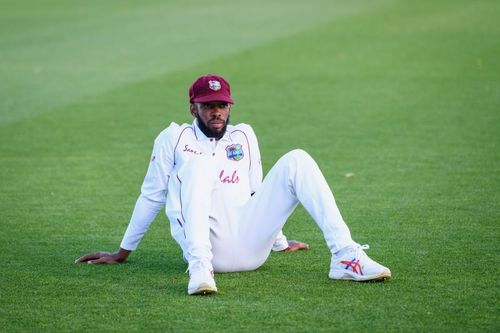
(214, 85)
(210, 88)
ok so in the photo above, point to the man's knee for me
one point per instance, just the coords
(298, 157)
(299, 154)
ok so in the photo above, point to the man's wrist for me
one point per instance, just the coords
(122, 255)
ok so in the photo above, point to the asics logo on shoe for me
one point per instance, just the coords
(353, 265)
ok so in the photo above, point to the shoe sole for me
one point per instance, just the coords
(345, 275)
(203, 289)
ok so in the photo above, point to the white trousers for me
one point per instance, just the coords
(241, 238)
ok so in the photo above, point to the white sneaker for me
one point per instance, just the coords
(355, 265)
(201, 279)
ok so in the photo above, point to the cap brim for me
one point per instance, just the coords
(214, 98)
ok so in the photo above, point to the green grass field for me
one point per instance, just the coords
(404, 95)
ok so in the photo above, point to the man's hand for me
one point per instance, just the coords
(296, 246)
(104, 257)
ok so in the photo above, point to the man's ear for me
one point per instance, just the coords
(192, 108)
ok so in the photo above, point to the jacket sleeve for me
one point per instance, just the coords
(153, 192)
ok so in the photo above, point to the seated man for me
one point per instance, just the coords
(223, 216)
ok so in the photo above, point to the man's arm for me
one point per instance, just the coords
(149, 203)
(144, 214)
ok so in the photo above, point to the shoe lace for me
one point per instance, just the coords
(360, 250)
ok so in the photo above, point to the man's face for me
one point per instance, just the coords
(212, 117)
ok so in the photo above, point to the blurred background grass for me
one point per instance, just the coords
(403, 96)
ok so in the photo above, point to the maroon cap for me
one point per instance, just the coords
(210, 88)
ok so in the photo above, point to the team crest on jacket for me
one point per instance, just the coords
(214, 85)
(234, 152)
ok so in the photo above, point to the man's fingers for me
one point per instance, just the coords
(296, 246)
(304, 246)
(91, 256)
(88, 257)
(102, 260)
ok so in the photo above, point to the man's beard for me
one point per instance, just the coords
(210, 133)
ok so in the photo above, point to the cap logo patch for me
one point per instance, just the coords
(214, 85)
(234, 152)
